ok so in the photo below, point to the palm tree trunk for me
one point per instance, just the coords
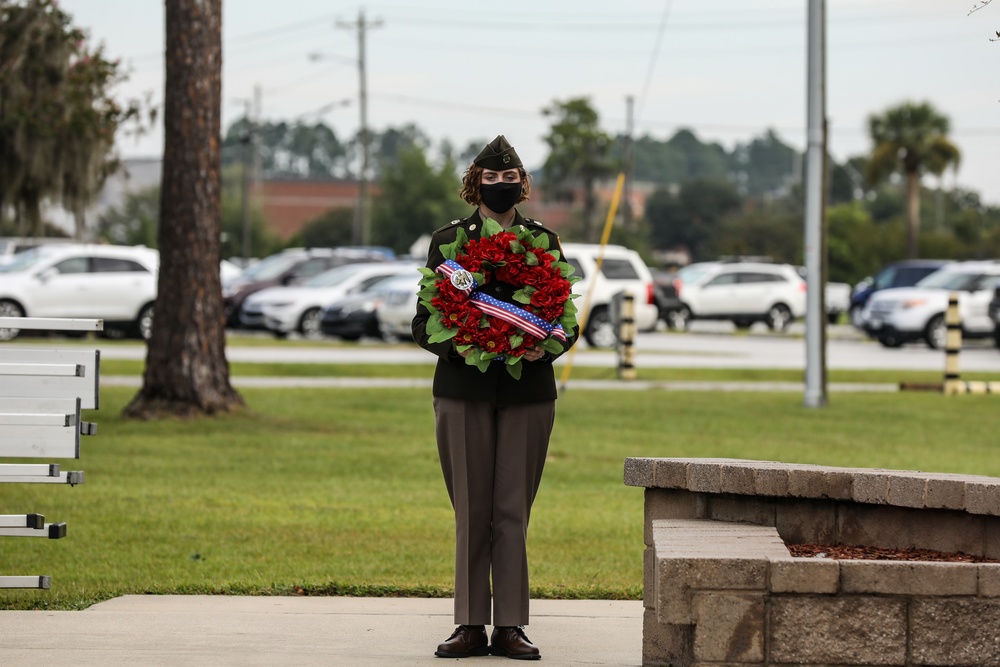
(186, 368)
(912, 214)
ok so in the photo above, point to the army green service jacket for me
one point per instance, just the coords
(453, 378)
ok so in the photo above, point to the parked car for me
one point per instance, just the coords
(356, 315)
(284, 309)
(665, 294)
(288, 267)
(901, 314)
(622, 270)
(398, 306)
(836, 298)
(994, 312)
(743, 292)
(905, 273)
(116, 284)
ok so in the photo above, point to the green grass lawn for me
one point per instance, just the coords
(339, 490)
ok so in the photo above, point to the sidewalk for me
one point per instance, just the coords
(216, 631)
(617, 385)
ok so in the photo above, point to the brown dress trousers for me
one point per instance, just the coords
(492, 458)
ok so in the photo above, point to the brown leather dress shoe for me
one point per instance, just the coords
(513, 643)
(466, 641)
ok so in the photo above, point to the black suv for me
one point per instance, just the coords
(287, 267)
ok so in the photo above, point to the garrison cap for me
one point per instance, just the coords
(498, 155)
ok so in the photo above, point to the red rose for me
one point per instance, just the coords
(543, 299)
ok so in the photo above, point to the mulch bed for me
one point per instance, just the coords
(849, 552)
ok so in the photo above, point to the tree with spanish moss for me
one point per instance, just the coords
(58, 119)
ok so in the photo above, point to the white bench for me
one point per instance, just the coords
(41, 372)
(42, 393)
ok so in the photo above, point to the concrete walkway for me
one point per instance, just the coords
(216, 631)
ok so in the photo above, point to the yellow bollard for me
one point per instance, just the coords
(626, 338)
(952, 347)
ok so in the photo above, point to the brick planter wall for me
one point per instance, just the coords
(722, 589)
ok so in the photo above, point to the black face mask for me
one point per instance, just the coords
(500, 197)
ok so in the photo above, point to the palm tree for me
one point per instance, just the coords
(910, 139)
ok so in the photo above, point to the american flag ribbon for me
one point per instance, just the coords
(508, 312)
(519, 317)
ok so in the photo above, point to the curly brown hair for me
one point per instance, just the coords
(473, 178)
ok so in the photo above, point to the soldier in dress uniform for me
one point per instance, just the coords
(493, 435)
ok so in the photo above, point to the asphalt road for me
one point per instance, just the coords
(707, 345)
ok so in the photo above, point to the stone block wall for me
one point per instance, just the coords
(722, 589)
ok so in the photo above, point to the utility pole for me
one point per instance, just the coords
(256, 173)
(627, 161)
(248, 139)
(362, 213)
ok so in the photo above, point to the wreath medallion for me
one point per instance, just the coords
(491, 329)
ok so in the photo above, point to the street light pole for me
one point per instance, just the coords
(816, 389)
(362, 213)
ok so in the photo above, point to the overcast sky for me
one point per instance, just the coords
(467, 70)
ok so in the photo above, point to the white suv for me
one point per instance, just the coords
(622, 270)
(114, 283)
(743, 292)
(901, 314)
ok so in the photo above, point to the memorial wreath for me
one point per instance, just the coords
(493, 330)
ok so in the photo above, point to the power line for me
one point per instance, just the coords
(655, 56)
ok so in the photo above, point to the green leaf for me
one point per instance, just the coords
(541, 241)
(443, 335)
(428, 273)
(515, 369)
(551, 345)
(484, 323)
(556, 255)
(531, 259)
(434, 325)
(516, 340)
(517, 247)
(491, 227)
(525, 236)
(565, 268)
(464, 347)
(475, 359)
(427, 293)
(479, 278)
(569, 308)
(450, 250)
(523, 295)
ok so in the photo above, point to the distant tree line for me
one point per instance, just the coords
(707, 200)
